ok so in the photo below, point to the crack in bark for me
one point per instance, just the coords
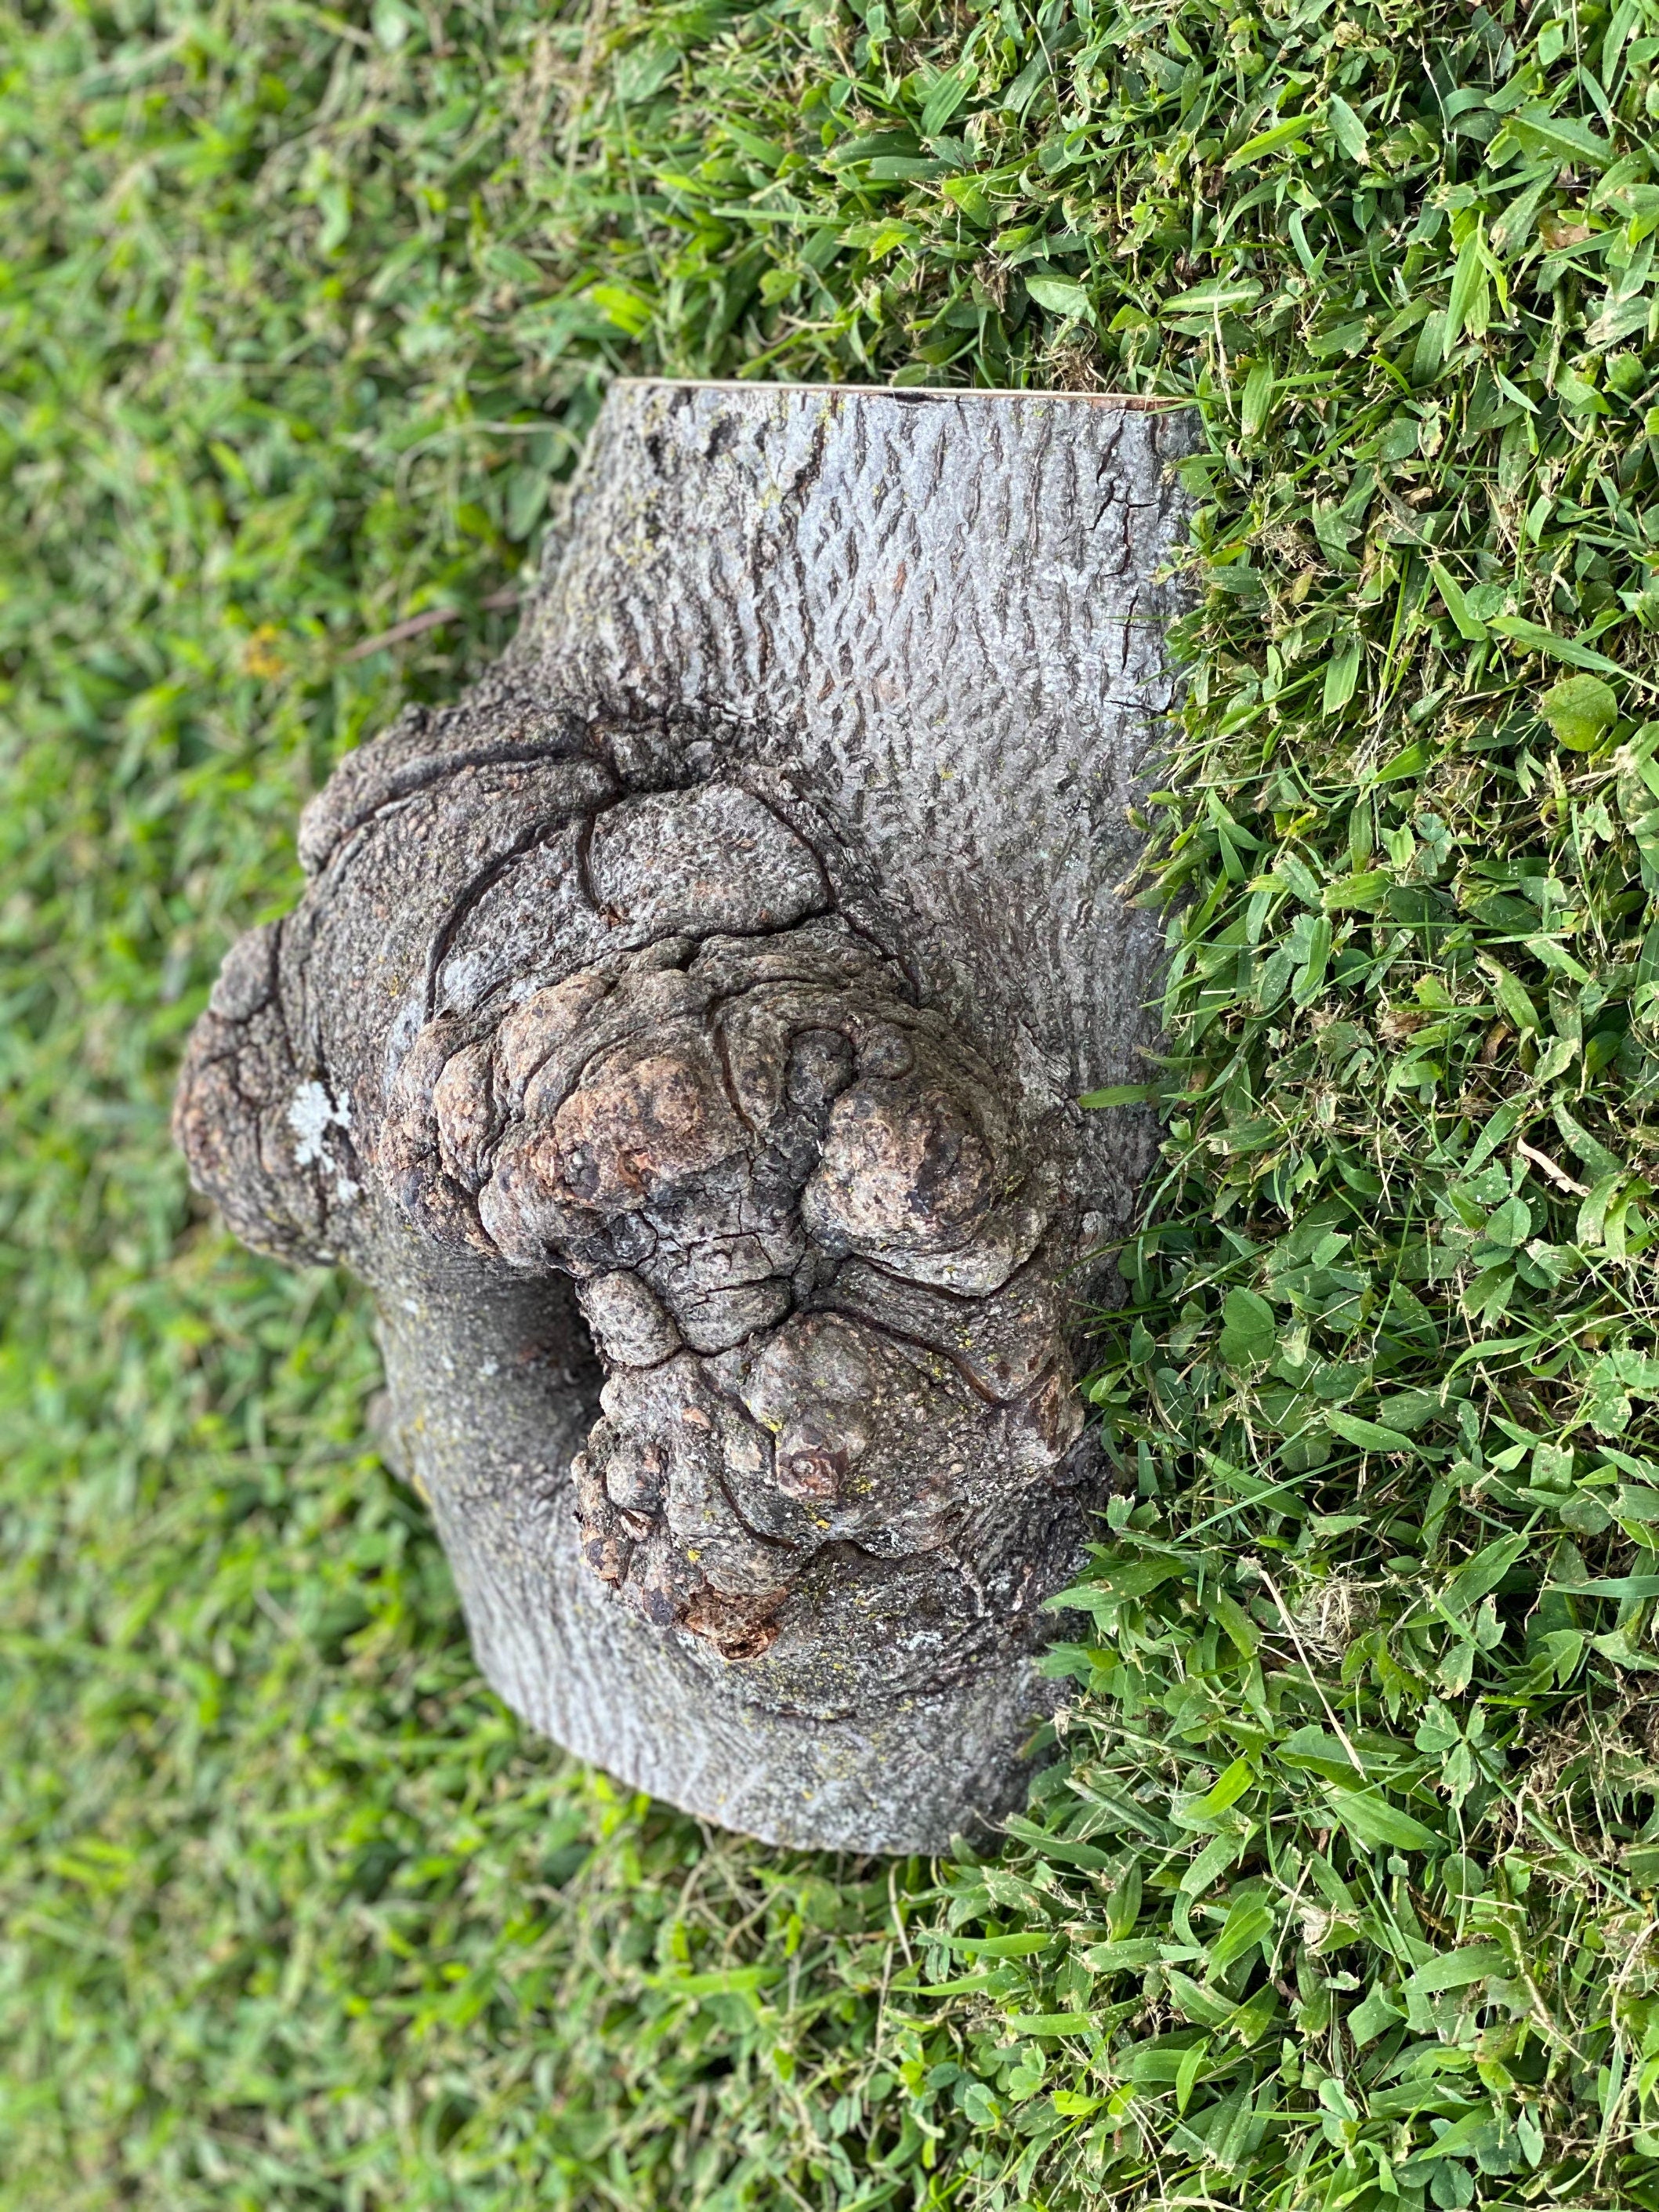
(540, 832)
(431, 771)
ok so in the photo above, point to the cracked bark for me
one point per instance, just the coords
(682, 1034)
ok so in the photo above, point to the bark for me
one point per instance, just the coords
(681, 1034)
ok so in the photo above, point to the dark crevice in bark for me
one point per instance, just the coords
(425, 776)
(953, 1360)
(534, 834)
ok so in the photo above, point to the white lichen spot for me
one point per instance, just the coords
(312, 1114)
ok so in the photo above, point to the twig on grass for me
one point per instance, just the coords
(433, 618)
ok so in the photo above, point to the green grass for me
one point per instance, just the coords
(1341, 1892)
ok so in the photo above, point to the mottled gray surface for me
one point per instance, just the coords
(935, 615)
(724, 969)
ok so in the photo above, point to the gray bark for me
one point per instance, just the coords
(682, 1035)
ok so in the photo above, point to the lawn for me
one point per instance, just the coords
(1340, 1891)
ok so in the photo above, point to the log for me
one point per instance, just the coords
(681, 1034)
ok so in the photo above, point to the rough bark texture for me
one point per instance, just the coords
(681, 1034)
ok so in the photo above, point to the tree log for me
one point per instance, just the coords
(681, 1034)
